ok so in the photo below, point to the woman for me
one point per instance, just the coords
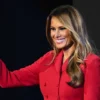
(68, 72)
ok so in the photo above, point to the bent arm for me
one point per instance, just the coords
(92, 80)
(23, 77)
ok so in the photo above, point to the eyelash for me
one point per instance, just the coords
(52, 28)
(61, 28)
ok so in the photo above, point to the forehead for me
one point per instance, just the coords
(56, 22)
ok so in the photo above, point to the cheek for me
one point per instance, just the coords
(67, 33)
(69, 39)
(52, 34)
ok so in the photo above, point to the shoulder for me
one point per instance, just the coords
(48, 54)
(92, 59)
(46, 58)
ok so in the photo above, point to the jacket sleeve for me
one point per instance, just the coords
(92, 80)
(26, 76)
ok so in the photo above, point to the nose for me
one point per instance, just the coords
(57, 33)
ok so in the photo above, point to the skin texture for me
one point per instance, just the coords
(61, 37)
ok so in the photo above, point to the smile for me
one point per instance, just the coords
(60, 40)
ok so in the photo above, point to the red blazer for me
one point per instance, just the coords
(52, 85)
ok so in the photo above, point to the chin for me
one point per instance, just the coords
(60, 47)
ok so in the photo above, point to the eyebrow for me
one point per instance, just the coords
(59, 26)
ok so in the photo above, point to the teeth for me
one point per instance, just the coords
(60, 40)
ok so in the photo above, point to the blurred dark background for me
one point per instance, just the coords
(23, 40)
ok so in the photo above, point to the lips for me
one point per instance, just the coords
(60, 40)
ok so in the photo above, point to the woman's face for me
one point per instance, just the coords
(60, 35)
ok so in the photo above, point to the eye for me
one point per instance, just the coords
(62, 28)
(52, 28)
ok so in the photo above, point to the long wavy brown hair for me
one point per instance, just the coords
(72, 20)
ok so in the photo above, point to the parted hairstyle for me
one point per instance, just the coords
(70, 17)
